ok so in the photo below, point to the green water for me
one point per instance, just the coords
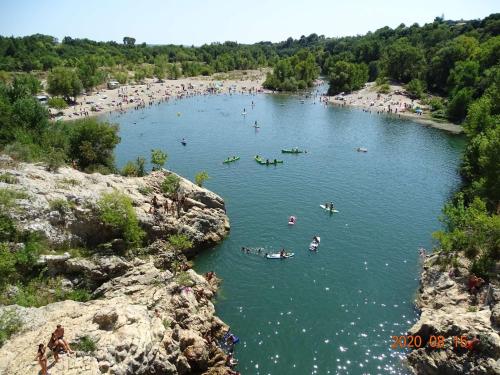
(318, 313)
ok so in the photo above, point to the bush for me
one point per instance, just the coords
(10, 323)
(458, 105)
(135, 169)
(8, 198)
(8, 178)
(80, 295)
(8, 231)
(158, 159)
(86, 344)
(61, 205)
(201, 177)
(92, 144)
(54, 160)
(116, 210)
(415, 88)
(145, 190)
(184, 279)
(180, 242)
(57, 103)
(384, 89)
(171, 185)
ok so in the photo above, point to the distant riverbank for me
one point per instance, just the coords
(153, 92)
(394, 104)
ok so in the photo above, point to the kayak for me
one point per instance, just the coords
(256, 126)
(278, 256)
(230, 160)
(361, 149)
(243, 113)
(314, 244)
(261, 161)
(291, 151)
(328, 209)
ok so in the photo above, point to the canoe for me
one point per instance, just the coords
(278, 256)
(361, 149)
(264, 162)
(314, 244)
(328, 209)
(230, 160)
(291, 151)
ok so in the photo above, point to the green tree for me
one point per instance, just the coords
(201, 177)
(129, 41)
(158, 159)
(88, 72)
(457, 107)
(171, 185)
(117, 211)
(160, 68)
(415, 88)
(465, 74)
(92, 144)
(402, 61)
(64, 82)
(345, 76)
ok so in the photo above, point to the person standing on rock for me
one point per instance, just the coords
(41, 357)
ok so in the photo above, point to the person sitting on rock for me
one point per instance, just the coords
(474, 284)
(54, 346)
(59, 332)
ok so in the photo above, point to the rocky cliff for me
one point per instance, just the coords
(449, 310)
(144, 318)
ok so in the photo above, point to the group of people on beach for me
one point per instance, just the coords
(57, 344)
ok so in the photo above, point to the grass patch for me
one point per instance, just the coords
(10, 323)
(184, 279)
(145, 190)
(61, 205)
(8, 198)
(8, 178)
(67, 182)
(166, 323)
(86, 344)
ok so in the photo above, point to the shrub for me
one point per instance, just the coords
(384, 89)
(180, 242)
(117, 211)
(184, 279)
(158, 159)
(61, 205)
(92, 144)
(145, 190)
(57, 103)
(86, 344)
(80, 295)
(8, 230)
(8, 178)
(10, 323)
(201, 177)
(8, 198)
(415, 88)
(54, 159)
(129, 170)
(171, 185)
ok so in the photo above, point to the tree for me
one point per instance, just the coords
(345, 76)
(158, 159)
(64, 82)
(88, 72)
(457, 107)
(160, 68)
(464, 74)
(402, 61)
(92, 144)
(201, 177)
(171, 185)
(128, 41)
(24, 85)
(415, 88)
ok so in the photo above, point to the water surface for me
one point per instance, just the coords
(318, 313)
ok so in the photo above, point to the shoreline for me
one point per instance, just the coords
(394, 103)
(153, 92)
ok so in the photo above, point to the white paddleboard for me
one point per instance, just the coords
(328, 209)
(278, 256)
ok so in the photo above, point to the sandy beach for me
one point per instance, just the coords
(395, 103)
(152, 92)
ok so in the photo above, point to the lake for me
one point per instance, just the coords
(327, 312)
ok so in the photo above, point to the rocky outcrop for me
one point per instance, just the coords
(449, 310)
(143, 319)
(62, 206)
(144, 322)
